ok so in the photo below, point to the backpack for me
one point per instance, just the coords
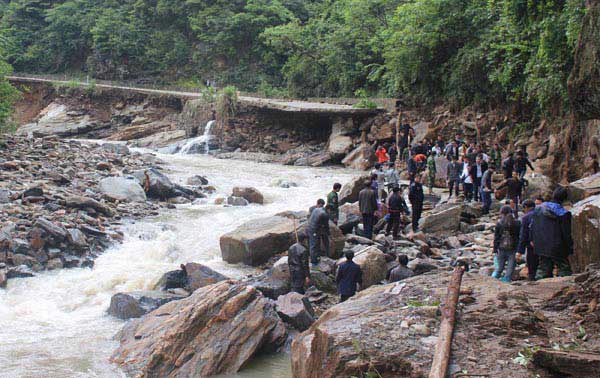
(507, 242)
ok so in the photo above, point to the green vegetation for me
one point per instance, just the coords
(516, 53)
(8, 93)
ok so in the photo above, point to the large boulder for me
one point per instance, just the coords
(586, 232)
(372, 263)
(254, 242)
(337, 240)
(338, 146)
(296, 310)
(361, 158)
(443, 220)
(138, 303)
(155, 183)
(584, 188)
(275, 281)
(216, 330)
(539, 185)
(199, 275)
(122, 189)
(350, 217)
(251, 195)
(351, 189)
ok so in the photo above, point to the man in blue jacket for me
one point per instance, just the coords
(550, 233)
(348, 276)
(525, 241)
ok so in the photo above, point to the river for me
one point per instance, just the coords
(55, 324)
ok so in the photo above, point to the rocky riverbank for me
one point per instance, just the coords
(62, 202)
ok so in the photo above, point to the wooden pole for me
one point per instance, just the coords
(441, 359)
(398, 125)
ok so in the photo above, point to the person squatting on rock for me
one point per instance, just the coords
(401, 272)
(396, 206)
(318, 232)
(453, 173)
(298, 264)
(348, 276)
(333, 207)
(416, 198)
(551, 236)
(525, 242)
(367, 203)
(506, 240)
(487, 189)
(431, 170)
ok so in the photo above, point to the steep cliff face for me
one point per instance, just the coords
(584, 82)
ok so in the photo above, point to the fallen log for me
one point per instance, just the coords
(569, 363)
(441, 357)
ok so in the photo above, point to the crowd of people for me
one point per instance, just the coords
(542, 233)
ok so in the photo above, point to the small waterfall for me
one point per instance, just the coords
(191, 146)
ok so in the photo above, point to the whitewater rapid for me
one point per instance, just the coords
(55, 324)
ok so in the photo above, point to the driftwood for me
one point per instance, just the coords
(441, 358)
(569, 363)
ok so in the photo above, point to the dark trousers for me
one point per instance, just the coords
(533, 261)
(453, 184)
(486, 198)
(344, 298)
(368, 220)
(417, 209)
(317, 241)
(468, 191)
(393, 224)
(476, 188)
(546, 266)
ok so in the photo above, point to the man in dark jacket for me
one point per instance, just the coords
(521, 164)
(318, 232)
(525, 242)
(298, 264)
(479, 169)
(367, 202)
(396, 206)
(551, 236)
(416, 197)
(514, 188)
(486, 188)
(348, 276)
(401, 272)
(453, 173)
(508, 166)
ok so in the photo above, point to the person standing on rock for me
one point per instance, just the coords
(416, 198)
(551, 236)
(486, 188)
(453, 174)
(318, 232)
(333, 206)
(514, 190)
(525, 241)
(396, 206)
(382, 155)
(380, 174)
(432, 171)
(521, 164)
(367, 202)
(506, 240)
(468, 178)
(508, 166)
(480, 167)
(391, 176)
(393, 153)
(401, 272)
(348, 277)
(496, 155)
(298, 265)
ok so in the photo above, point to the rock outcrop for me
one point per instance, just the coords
(122, 189)
(218, 329)
(361, 158)
(138, 303)
(351, 189)
(586, 232)
(296, 310)
(254, 242)
(584, 188)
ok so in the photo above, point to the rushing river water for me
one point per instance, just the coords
(55, 324)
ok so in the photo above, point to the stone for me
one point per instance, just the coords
(372, 263)
(5, 196)
(199, 275)
(539, 185)
(361, 158)
(3, 279)
(197, 180)
(586, 232)
(224, 325)
(420, 266)
(296, 310)
(237, 201)
(116, 148)
(77, 238)
(138, 303)
(442, 220)
(175, 279)
(323, 281)
(57, 119)
(254, 242)
(155, 184)
(337, 240)
(339, 145)
(103, 166)
(58, 233)
(84, 203)
(350, 191)
(33, 192)
(584, 188)
(251, 195)
(274, 282)
(122, 189)
(54, 264)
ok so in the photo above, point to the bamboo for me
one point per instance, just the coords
(441, 359)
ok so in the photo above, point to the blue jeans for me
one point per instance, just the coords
(509, 259)
(486, 198)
